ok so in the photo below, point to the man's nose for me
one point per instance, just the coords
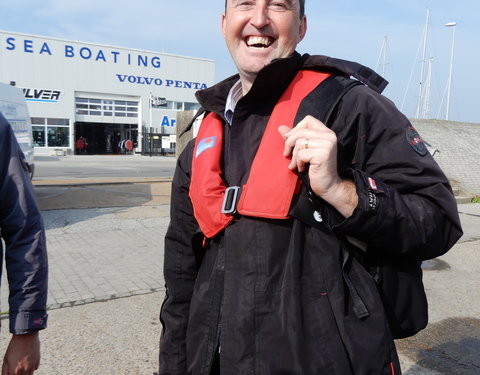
(260, 15)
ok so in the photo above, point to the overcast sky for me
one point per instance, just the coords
(348, 29)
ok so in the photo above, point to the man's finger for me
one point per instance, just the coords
(283, 130)
(310, 122)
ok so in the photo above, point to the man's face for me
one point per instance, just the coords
(258, 31)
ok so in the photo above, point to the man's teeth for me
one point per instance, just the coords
(258, 41)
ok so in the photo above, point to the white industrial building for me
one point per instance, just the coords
(101, 93)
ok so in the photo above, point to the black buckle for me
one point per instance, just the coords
(229, 205)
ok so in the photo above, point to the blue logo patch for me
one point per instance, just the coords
(205, 144)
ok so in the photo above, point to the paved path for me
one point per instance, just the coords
(96, 254)
(105, 254)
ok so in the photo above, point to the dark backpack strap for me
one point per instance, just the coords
(332, 90)
(326, 97)
(329, 93)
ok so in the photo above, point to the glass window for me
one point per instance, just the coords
(191, 106)
(103, 107)
(38, 136)
(57, 136)
(38, 120)
(179, 105)
(58, 121)
(131, 115)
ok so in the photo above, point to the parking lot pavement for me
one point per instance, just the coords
(103, 253)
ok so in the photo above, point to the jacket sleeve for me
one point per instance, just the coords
(22, 230)
(406, 205)
(180, 271)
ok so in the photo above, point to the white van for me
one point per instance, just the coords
(14, 108)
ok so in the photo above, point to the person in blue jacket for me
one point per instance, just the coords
(22, 230)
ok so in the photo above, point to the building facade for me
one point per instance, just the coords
(108, 99)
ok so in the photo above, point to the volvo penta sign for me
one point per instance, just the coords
(123, 78)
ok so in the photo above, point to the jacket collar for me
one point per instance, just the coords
(273, 78)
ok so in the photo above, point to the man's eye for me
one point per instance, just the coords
(278, 5)
(244, 5)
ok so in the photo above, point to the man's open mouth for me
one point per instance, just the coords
(259, 41)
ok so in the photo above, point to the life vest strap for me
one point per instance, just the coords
(230, 200)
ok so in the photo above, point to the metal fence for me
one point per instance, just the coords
(152, 143)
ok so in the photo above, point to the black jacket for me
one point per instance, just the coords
(21, 227)
(270, 293)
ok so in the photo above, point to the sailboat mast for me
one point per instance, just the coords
(384, 70)
(426, 104)
(422, 70)
(383, 54)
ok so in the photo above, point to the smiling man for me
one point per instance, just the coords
(257, 33)
(293, 162)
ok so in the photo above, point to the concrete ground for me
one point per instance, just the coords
(106, 286)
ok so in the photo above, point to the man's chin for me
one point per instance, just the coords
(253, 70)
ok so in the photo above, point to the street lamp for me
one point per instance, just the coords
(453, 25)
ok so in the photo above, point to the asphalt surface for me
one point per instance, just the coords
(86, 167)
(105, 243)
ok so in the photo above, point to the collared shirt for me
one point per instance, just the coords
(233, 97)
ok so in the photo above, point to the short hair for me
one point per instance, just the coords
(302, 7)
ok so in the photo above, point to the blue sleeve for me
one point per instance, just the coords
(22, 229)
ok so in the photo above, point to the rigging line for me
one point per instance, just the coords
(411, 76)
(382, 53)
(441, 102)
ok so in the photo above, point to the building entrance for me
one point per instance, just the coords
(100, 138)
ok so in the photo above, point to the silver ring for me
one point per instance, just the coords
(306, 143)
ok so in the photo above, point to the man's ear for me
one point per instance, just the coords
(223, 24)
(303, 29)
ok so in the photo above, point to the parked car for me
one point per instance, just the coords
(14, 108)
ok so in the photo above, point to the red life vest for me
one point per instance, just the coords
(261, 195)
